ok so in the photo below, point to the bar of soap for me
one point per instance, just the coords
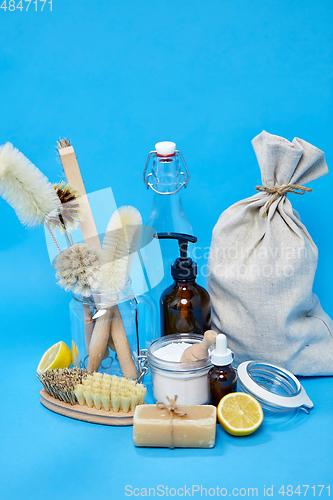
(152, 427)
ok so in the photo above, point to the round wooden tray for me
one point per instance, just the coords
(85, 413)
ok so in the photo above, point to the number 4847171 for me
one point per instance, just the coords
(25, 4)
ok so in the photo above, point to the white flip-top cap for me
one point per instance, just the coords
(221, 356)
(165, 148)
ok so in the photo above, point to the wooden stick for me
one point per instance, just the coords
(122, 346)
(99, 341)
(73, 174)
(111, 344)
(88, 326)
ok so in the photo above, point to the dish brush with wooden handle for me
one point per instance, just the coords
(120, 243)
(72, 170)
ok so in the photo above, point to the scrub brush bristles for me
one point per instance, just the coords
(71, 209)
(60, 383)
(109, 393)
(79, 269)
(63, 143)
(120, 243)
(25, 188)
(93, 389)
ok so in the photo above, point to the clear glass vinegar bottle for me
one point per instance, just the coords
(166, 174)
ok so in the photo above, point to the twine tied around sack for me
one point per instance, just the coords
(276, 192)
(172, 408)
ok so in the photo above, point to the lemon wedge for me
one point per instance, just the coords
(239, 414)
(75, 355)
(57, 356)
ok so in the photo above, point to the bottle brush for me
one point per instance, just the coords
(25, 188)
(120, 243)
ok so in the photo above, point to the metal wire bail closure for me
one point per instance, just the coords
(143, 364)
(185, 174)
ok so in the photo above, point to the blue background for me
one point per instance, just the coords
(116, 77)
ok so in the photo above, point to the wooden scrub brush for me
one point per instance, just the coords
(60, 383)
(92, 389)
(78, 269)
(68, 158)
(88, 228)
(106, 392)
(120, 243)
(101, 333)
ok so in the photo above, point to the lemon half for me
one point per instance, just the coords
(57, 356)
(239, 414)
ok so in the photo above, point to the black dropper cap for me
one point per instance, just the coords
(183, 268)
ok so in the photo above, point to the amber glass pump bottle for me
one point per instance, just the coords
(185, 305)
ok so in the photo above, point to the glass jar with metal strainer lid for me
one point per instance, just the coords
(276, 389)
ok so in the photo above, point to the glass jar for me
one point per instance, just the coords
(188, 381)
(276, 389)
(105, 328)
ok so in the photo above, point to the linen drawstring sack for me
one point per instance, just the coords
(262, 265)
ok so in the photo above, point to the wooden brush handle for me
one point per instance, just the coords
(73, 174)
(88, 326)
(200, 350)
(121, 344)
(110, 343)
(99, 341)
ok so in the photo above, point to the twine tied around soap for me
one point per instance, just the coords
(172, 408)
(276, 192)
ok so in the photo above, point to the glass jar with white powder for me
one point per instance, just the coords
(172, 378)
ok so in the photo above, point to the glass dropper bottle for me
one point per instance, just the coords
(222, 377)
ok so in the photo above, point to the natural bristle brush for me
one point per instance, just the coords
(71, 208)
(25, 188)
(60, 383)
(92, 389)
(78, 269)
(120, 243)
(89, 278)
(119, 247)
(69, 162)
(106, 392)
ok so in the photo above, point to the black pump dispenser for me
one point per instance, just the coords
(182, 268)
(184, 306)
